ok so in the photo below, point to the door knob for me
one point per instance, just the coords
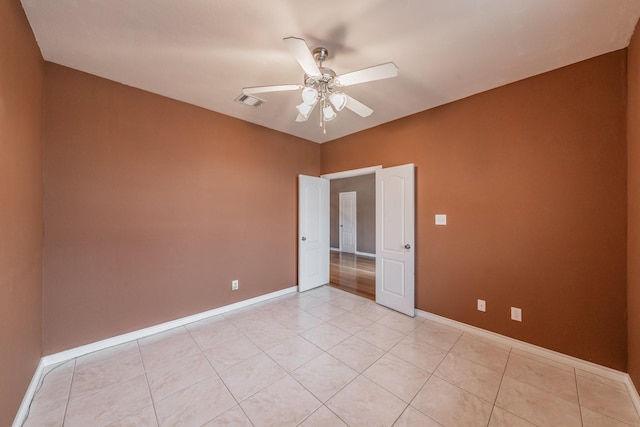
(407, 246)
(304, 238)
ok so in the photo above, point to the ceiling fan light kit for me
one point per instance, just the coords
(321, 84)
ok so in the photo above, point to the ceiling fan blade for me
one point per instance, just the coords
(275, 88)
(358, 107)
(301, 118)
(377, 72)
(303, 55)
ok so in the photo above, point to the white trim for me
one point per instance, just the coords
(334, 249)
(584, 365)
(66, 355)
(365, 254)
(23, 410)
(162, 327)
(349, 174)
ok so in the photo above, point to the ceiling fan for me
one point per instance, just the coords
(322, 85)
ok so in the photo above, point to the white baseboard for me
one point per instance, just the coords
(63, 356)
(584, 365)
(23, 410)
(367, 254)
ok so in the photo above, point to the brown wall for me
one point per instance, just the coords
(532, 177)
(633, 194)
(152, 207)
(365, 188)
(21, 80)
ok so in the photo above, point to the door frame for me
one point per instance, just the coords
(354, 222)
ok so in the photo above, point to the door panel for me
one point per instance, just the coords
(348, 222)
(395, 223)
(313, 232)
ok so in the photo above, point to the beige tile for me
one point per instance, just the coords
(554, 363)
(144, 418)
(232, 352)
(103, 368)
(611, 401)
(492, 355)
(234, 417)
(166, 346)
(350, 322)
(450, 405)
(400, 322)
(593, 419)
(109, 404)
(469, 376)
(53, 393)
(603, 380)
(195, 405)
(270, 335)
(356, 353)
(52, 417)
(364, 403)
(322, 293)
(325, 336)
(284, 403)
(324, 376)
(323, 417)
(178, 374)
(347, 302)
(425, 356)
(543, 376)
(307, 302)
(380, 336)
(254, 374)
(372, 311)
(213, 332)
(536, 406)
(502, 418)
(397, 376)
(436, 334)
(411, 417)
(293, 353)
(300, 321)
(326, 311)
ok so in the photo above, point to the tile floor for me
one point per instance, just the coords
(323, 358)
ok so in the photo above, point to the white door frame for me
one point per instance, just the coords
(353, 223)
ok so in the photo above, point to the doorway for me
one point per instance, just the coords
(394, 234)
(352, 232)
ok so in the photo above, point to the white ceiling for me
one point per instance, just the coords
(204, 52)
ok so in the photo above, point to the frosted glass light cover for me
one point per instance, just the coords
(328, 113)
(339, 100)
(309, 95)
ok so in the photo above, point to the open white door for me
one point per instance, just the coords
(395, 223)
(347, 212)
(313, 232)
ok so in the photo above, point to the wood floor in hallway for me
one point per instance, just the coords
(353, 273)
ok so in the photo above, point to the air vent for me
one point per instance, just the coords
(249, 100)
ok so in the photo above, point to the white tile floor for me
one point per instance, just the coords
(323, 358)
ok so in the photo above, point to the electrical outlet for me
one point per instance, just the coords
(234, 285)
(482, 305)
(516, 314)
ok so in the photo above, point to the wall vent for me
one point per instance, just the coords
(249, 100)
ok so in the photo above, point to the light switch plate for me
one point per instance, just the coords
(516, 314)
(482, 305)
(441, 219)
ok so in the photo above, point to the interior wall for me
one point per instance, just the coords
(21, 101)
(152, 207)
(532, 177)
(633, 193)
(365, 188)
